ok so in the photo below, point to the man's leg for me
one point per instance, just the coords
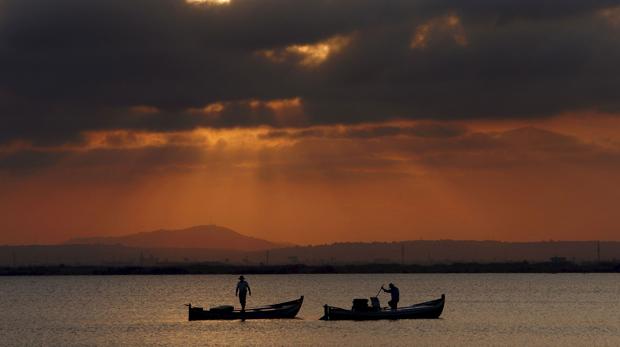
(392, 304)
(242, 301)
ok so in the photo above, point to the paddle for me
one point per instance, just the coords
(379, 292)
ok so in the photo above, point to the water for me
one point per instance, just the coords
(485, 309)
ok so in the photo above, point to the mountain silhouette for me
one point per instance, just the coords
(204, 236)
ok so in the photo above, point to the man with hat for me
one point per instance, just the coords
(243, 288)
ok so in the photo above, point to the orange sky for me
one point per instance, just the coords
(548, 179)
(310, 121)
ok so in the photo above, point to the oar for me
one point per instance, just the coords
(379, 292)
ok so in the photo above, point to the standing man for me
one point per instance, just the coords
(395, 295)
(243, 288)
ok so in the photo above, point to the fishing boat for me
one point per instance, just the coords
(283, 310)
(425, 310)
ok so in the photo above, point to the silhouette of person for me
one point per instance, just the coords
(395, 295)
(243, 288)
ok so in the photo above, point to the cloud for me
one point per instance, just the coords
(413, 179)
(28, 161)
(70, 67)
(437, 130)
(449, 25)
(332, 153)
(307, 55)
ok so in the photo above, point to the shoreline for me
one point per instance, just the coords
(222, 269)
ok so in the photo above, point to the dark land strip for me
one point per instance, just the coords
(219, 268)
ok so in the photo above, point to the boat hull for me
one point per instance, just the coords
(426, 310)
(285, 310)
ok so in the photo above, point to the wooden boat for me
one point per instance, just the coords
(425, 310)
(283, 310)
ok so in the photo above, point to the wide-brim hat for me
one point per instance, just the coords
(241, 277)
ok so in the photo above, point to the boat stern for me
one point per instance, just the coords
(325, 313)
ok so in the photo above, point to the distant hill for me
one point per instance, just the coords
(204, 236)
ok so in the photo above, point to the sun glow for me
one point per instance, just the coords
(208, 2)
(197, 138)
(449, 25)
(211, 110)
(282, 110)
(308, 55)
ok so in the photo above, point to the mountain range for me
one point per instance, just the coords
(203, 236)
(211, 243)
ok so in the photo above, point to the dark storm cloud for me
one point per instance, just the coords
(121, 164)
(67, 66)
(27, 162)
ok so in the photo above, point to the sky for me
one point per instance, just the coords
(310, 121)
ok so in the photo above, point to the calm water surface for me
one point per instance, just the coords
(486, 309)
